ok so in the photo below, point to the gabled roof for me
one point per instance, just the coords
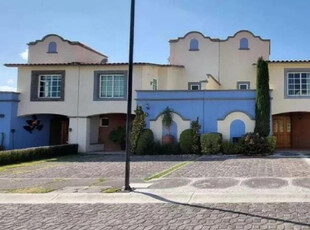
(70, 42)
(89, 64)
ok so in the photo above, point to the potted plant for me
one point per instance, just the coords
(167, 120)
(2, 142)
(118, 136)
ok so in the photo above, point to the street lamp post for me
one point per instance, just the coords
(129, 96)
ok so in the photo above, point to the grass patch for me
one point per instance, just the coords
(111, 190)
(27, 164)
(30, 190)
(167, 171)
(99, 181)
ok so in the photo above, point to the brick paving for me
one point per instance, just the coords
(155, 216)
(245, 167)
(94, 166)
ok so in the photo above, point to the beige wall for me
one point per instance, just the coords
(221, 58)
(66, 52)
(280, 104)
(197, 63)
(237, 65)
(79, 89)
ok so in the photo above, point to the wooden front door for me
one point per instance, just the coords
(282, 130)
(59, 131)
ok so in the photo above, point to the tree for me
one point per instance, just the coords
(262, 107)
(138, 126)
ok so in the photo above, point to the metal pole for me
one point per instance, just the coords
(129, 96)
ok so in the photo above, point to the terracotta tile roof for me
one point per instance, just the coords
(88, 64)
(289, 61)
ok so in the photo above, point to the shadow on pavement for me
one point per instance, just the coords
(221, 210)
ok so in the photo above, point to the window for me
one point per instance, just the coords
(298, 84)
(104, 122)
(194, 86)
(194, 45)
(52, 47)
(49, 86)
(112, 86)
(244, 44)
(154, 84)
(243, 85)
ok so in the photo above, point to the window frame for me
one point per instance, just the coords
(190, 84)
(154, 80)
(50, 46)
(97, 86)
(104, 118)
(190, 44)
(240, 44)
(35, 86)
(39, 85)
(300, 84)
(247, 83)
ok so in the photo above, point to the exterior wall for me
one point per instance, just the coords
(20, 138)
(210, 106)
(66, 52)
(282, 104)
(237, 64)
(223, 59)
(197, 63)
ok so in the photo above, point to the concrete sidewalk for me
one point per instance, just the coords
(142, 196)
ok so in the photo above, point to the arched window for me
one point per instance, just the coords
(194, 44)
(244, 43)
(52, 47)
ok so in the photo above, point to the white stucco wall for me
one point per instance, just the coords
(223, 126)
(157, 126)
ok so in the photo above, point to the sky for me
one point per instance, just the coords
(104, 26)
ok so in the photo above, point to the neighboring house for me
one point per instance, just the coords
(81, 97)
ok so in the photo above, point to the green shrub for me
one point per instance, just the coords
(231, 148)
(38, 153)
(145, 143)
(211, 143)
(272, 141)
(186, 141)
(165, 149)
(253, 143)
(118, 136)
(195, 126)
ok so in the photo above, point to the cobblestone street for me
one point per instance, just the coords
(280, 176)
(156, 216)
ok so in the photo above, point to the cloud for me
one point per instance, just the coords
(10, 82)
(24, 55)
(7, 88)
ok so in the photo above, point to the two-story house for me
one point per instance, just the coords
(79, 97)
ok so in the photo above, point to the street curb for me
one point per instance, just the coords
(148, 197)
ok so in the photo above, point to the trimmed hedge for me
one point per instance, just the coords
(145, 143)
(231, 148)
(186, 141)
(211, 143)
(38, 153)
